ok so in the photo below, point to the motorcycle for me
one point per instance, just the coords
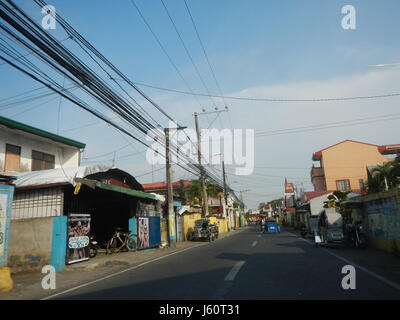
(303, 230)
(356, 235)
(264, 228)
(93, 247)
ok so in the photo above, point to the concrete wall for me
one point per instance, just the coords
(383, 220)
(30, 244)
(188, 222)
(65, 156)
(348, 160)
(222, 224)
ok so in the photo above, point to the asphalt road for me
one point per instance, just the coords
(247, 265)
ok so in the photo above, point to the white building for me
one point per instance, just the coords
(24, 148)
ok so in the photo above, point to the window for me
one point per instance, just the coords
(13, 158)
(42, 161)
(362, 186)
(343, 185)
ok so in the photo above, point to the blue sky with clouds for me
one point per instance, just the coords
(277, 49)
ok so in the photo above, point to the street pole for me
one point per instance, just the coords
(225, 193)
(170, 196)
(203, 179)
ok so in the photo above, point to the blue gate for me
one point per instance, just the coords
(149, 232)
(59, 243)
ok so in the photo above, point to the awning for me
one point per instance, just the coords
(130, 192)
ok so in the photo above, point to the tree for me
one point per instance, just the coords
(196, 190)
(384, 177)
(276, 203)
(261, 206)
(336, 198)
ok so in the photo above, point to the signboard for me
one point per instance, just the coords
(6, 197)
(289, 189)
(78, 237)
(143, 233)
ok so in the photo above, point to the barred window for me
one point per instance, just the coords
(42, 161)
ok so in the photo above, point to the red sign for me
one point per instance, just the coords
(289, 189)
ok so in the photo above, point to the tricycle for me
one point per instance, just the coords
(272, 226)
(204, 230)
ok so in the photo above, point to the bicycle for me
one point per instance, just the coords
(119, 241)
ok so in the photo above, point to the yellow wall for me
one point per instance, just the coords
(348, 160)
(188, 222)
(220, 222)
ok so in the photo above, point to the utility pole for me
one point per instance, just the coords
(203, 178)
(241, 197)
(170, 195)
(225, 191)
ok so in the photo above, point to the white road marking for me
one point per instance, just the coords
(232, 274)
(373, 274)
(117, 273)
(254, 244)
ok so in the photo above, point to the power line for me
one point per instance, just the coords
(270, 99)
(204, 51)
(68, 65)
(187, 50)
(163, 48)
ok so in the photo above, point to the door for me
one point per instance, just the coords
(59, 243)
(13, 158)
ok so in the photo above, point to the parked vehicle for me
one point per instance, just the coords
(204, 230)
(93, 247)
(312, 223)
(303, 230)
(356, 235)
(352, 212)
(330, 226)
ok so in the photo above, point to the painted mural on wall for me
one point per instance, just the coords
(6, 196)
(383, 218)
(78, 237)
(144, 236)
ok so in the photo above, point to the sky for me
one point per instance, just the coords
(259, 49)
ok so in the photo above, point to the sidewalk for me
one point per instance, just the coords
(377, 261)
(28, 286)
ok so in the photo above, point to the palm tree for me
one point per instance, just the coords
(384, 177)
